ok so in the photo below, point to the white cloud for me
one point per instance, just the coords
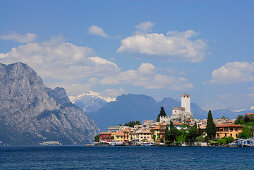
(113, 92)
(22, 38)
(145, 26)
(77, 69)
(97, 31)
(173, 46)
(233, 72)
(61, 62)
(147, 77)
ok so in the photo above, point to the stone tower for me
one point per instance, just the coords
(185, 102)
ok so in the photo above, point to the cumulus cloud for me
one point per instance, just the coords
(96, 30)
(58, 61)
(145, 26)
(147, 76)
(172, 46)
(22, 38)
(113, 92)
(233, 72)
(78, 69)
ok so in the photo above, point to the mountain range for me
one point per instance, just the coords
(136, 107)
(141, 107)
(31, 113)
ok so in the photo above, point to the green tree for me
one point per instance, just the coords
(97, 138)
(210, 127)
(246, 119)
(251, 118)
(172, 133)
(192, 135)
(221, 141)
(246, 133)
(200, 139)
(154, 137)
(229, 139)
(166, 133)
(239, 119)
(132, 123)
(162, 113)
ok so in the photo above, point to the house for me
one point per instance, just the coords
(118, 136)
(144, 136)
(158, 132)
(228, 130)
(177, 125)
(249, 114)
(106, 137)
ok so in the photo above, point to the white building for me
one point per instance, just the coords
(180, 114)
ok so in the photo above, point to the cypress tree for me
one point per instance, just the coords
(210, 127)
(172, 133)
(162, 113)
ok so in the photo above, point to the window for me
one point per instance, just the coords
(231, 129)
(236, 129)
(226, 129)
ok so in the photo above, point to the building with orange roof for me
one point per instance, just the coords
(106, 137)
(144, 136)
(249, 114)
(228, 130)
(118, 136)
(177, 125)
(158, 132)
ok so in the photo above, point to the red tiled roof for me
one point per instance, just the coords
(177, 124)
(249, 114)
(229, 125)
(105, 133)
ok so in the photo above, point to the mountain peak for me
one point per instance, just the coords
(93, 94)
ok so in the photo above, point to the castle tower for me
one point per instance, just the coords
(185, 102)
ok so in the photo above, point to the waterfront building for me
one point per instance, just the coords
(144, 136)
(106, 137)
(158, 132)
(118, 136)
(228, 130)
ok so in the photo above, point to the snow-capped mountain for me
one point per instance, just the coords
(90, 101)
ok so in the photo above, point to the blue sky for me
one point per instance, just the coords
(157, 48)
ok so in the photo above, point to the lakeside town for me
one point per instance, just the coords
(181, 129)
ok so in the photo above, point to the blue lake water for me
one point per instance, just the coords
(84, 157)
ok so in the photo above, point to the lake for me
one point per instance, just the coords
(99, 157)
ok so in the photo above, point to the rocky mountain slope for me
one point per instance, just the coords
(31, 113)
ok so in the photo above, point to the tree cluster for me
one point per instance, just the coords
(244, 119)
(225, 140)
(246, 133)
(132, 123)
(187, 134)
(162, 113)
